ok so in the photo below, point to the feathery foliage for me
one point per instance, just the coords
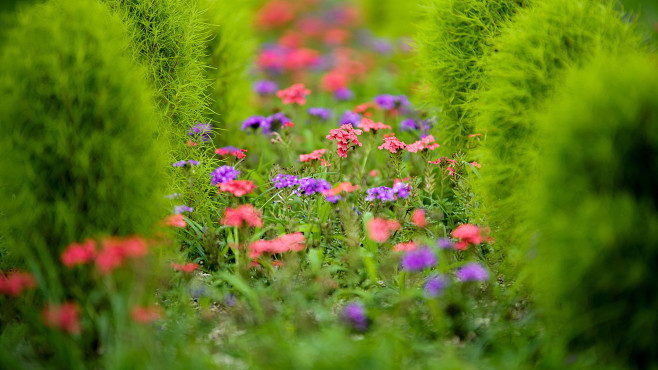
(453, 38)
(169, 39)
(533, 54)
(78, 124)
(229, 51)
(597, 211)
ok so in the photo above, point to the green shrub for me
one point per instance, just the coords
(78, 123)
(532, 55)
(229, 51)
(453, 38)
(597, 211)
(169, 39)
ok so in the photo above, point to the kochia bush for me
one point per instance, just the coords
(78, 125)
(597, 211)
(532, 55)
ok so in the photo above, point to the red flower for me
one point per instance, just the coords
(405, 247)
(78, 254)
(367, 124)
(14, 284)
(176, 220)
(334, 80)
(284, 243)
(294, 94)
(64, 317)
(373, 173)
(346, 137)
(380, 229)
(275, 14)
(146, 314)
(244, 213)
(316, 154)
(116, 250)
(467, 234)
(392, 144)
(418, 218)
(186, 268)
(237, 187)
(237, 153)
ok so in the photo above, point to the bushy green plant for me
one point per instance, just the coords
(169, 39)
(230, 49)
(453, 38)
(596, 210)
(531, 56)
(78, 122)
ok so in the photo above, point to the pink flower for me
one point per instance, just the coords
(237, 153)
(116, 250)
(175, 220)
(316, 154)
(237, 187)
(373, 173)
(186, 268)
(334, 80)
(15, 283)
(392, 144)
(78, 254)
(380, 229)
(283, 243)
(64, 317)
(467, 234)
(475, 164)
(405, 247)
(367, 124)
(244, 213)
(346, 137)
(346, 187)
(474, 135)
(294, 94)
(418, 218)
(146, 314)
(426, 143)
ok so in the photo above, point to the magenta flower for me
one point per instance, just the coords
(472, 272)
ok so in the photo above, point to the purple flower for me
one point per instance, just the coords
(444, 243)
(201, 130)
(179, 164)
(343, 94)
(418, 260)
(382, 46)
(435, 285)
(321, 113)
(383, 193)
(285, 181)
(401, 190)
(184, 163)
(192, 162)
(332, 198)
(265, 87)
(472, 272)
(385, 101)
(408, 124)
(230, 300)
(355, 315)
(224, 174)
(310, 186)
(349, 117)
(253, 122)
(181, 209)
(274, 122)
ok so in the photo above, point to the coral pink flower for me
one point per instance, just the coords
(191, 143)
(14, 284)
(405, 247)
(116, 250)
(237, 153)
(336, 36)
(425, 143)
(475, 164)
(64, 317)
(294, 94)
(392, 144)
(237, 187)
(363, 108)
(380, 229)
(186, 268)
(283, 243)
(467, 234)
(324, 163)
(346, 137)
(367, 124)
(316, 154)
(334, 80)
(474, 135)
(146, 314)
(297, 59)
(342, 187)
(373, 173)
(244, 213)
(78, 254)
(175, 220)
(274, 14)
(418, 218)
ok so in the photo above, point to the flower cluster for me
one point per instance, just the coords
(386, 194)
(237, 187)
(265, 87)
(15, 283)
(392, 144)
(322, 114)
(283, 243)
(418, 218)
(405, 247)
(426, 143)
(435, 285)
(175, 220)
(355, 315)
(343, 94)
(295, 94)
(390, 102)
(64, 317)
(349, 117)
(380, 229)
(200, 130)
(246, 214)
(314, 155)
(231, 150)
(115, 251)
(419, 259)
(223, 174)
(310, 185)
(285, 181)
(333, 195)
(346, 137)
(367, 124)
(187, 163)
(146, 314)
(448, 161)
(182, 208)
(79, 254)
(472, 271)
(187, 268)
(467, 234)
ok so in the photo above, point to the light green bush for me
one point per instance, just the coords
(596, 208)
